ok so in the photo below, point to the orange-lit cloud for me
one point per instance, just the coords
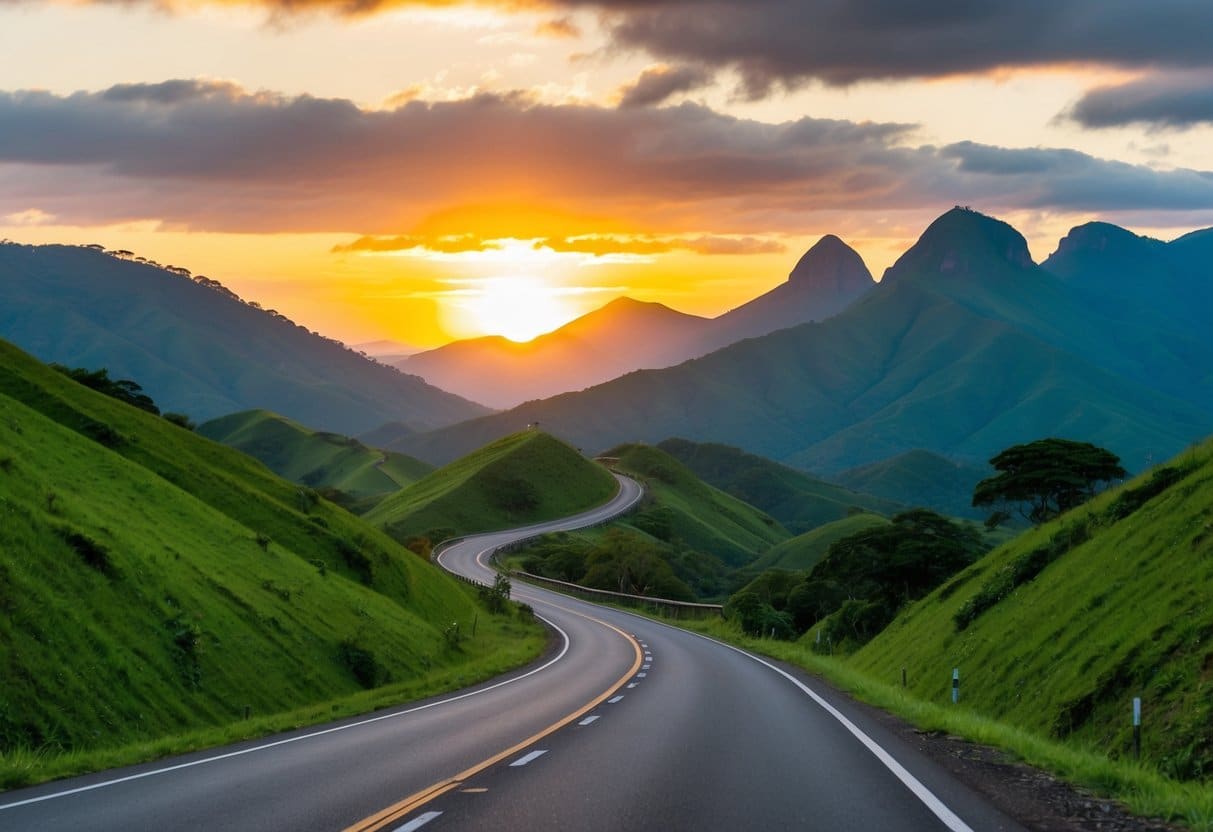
(207, 155)
(604, 244)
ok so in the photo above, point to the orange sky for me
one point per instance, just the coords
(420, 174)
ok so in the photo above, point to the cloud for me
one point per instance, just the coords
(600, 245)
(785, 43)
(209, 156)
(657, 84)
(446, 244)
(1176, 100)
(788, 42)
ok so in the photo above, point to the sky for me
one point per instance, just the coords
(423, 171)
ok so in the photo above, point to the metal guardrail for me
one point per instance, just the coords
(675, 609)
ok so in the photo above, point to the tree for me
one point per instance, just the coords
(1045, 478)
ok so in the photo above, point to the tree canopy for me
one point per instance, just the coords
(1047, 477)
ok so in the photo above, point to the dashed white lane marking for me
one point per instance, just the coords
(641, 675)
(645, 666)
(418, 822)
(645, 646)
(526, 758)
(614, 699)
(632, 685)
(588, 720)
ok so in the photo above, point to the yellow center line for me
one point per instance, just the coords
(398, 810)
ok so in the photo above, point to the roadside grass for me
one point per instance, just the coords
(154, 584)
(500, 646)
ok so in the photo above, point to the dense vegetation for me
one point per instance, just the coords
(153, 582)
(862, 581)
(919, 478)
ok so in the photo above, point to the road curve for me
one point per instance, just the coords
(630, 724)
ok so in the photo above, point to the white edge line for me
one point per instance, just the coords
(418, 822)
(937, 807)
(312, 735)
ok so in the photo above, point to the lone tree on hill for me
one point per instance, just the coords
(1046, 477)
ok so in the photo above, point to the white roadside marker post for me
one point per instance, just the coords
(955, 685)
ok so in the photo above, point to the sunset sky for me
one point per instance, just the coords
(424, 171)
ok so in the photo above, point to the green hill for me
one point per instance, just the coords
(798, 501)
(685, 509)
(1058, 630)
(196, 347)
(156, 583)
(523, 478)
(315, 458)
(920, 478)
(801, 553)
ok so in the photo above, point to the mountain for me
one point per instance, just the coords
(524, 478)
(798, 501)
(155, 583)
(622, 336)
(965, 348)
(315, 458)
(627, 335)
(828, 278)
(1057, 631)
(197, 348)
(920, 478)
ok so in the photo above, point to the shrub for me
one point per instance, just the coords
(361, 662)
(91, 552)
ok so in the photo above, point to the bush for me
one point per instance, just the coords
(496, 597)
(361, 662)
(90, 551)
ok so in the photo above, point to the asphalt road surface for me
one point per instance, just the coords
(627, 724)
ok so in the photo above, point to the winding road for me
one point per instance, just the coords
(628, 725)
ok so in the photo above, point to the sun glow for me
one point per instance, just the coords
(519, 308)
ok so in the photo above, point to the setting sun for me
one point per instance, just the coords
(519, 308)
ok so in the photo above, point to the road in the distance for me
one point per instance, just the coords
(684, 733)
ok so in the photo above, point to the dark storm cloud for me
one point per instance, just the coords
(211, 156)
(659, 83)
(1175, 100)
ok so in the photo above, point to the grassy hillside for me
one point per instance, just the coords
(155, 583)
(196, 347)
(315, 458)
(1058, 630)
(798, 501)
(802, 552)
(523, 478)
(685, 509)
(920, 478)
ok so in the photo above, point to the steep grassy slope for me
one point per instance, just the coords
(802, 552)
(523, 478)
(798, 501)
(154, 582)
(196, 347)
(1059, 630)
(920, 478)
(685, 509)
(315, 458)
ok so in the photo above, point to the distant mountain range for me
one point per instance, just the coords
(964, 348)
(627, 335)
(196, 347)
